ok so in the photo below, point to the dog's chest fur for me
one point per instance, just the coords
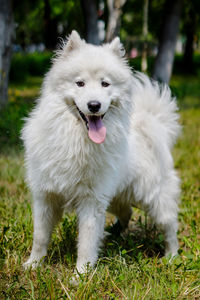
(69, 163)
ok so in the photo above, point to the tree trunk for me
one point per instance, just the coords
(6, 36)
(145, 33)
(165, 58)
(114, 19)
(50, 26)
(91, 18)
(188, 64)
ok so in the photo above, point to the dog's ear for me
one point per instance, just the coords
(117, 47)
(73, 42)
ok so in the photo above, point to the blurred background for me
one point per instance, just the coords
(161, 37)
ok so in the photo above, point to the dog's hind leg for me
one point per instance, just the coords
(170, 232)
(121, 223)
(166, 220)
(121, 208)
(164, 211)
(47, 213)
(124, 216)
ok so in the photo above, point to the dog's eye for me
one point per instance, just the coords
(105, 84)
(80, 83)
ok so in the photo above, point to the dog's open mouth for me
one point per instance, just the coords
(94, 124)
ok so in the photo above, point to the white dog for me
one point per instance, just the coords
(100, 139)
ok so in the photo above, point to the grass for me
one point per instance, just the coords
(129, 267)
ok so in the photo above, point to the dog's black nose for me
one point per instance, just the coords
(94, 106)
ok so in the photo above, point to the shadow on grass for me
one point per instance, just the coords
(141, 240)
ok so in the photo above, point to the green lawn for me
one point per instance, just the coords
(129, 267)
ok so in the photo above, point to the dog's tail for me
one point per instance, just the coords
(156, 99)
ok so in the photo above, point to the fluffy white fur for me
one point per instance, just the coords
(133, 166)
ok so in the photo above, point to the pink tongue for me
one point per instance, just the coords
(97, 131)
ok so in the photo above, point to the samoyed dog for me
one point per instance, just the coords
(100, 139)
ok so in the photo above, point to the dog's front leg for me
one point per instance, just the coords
(91, 220)
(46, 214)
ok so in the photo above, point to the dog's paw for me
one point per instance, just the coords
(171, 255)
(75, 279)
(171, 251)
(32, 263)
(29, 265)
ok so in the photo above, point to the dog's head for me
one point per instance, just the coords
(92, 80)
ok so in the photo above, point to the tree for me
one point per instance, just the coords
(190, 30)
(164, 60)
(91, 18)
(51, 27)
(6, 36)
(44, 21)
(114, 18)
(145, 33)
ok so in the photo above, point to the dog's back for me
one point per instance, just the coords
(155, 100)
